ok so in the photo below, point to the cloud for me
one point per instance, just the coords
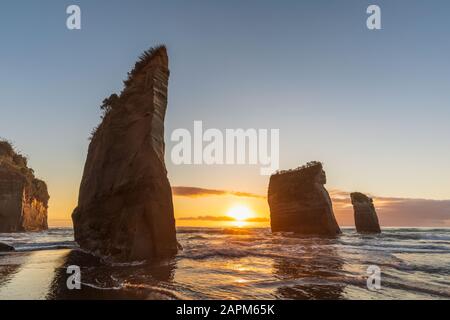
(222, 218)
(391, 211)
(396, 211)
(193, 192)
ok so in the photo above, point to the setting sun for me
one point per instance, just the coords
(240, 213)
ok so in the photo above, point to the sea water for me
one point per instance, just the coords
(238, 263)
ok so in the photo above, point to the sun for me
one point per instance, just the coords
(240, 213)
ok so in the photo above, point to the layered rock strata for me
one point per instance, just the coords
(300, 203)
(125, 209)
(23, 198)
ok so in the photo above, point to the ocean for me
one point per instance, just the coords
(237, 263)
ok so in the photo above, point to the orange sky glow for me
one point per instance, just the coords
(200, 207)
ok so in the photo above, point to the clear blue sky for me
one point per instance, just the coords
(373, 105)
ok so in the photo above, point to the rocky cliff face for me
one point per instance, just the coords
(23, 198)
(366, 220)
(300, 203)
(125, 209)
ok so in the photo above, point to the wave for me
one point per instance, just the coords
(223, 231)
(197, 237)
(23, 247)
(97, 287)
(156, 292)
(416, 287)
(224, 253)
(257, 264)
(126, 264)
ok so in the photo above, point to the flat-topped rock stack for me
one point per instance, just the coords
(300, 203)
(366, 219)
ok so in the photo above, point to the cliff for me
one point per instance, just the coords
(300, 203)
(366, 220)
(23, 198)
(125, 209)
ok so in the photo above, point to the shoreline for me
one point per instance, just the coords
(28, 275)
(243, 264)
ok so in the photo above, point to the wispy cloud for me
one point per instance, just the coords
(194, 192)
(396, 211)
(391, 211)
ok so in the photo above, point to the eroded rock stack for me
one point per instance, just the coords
(366, 220)
(125, 209)
(23, 198)
(300, 203)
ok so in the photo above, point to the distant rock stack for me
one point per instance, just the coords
(23, 198)
(125, 209)
(300, 203)
(366, 220)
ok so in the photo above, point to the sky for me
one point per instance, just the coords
(373, 106)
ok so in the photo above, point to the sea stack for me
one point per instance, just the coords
(23, 198)
(300, 203)
(125, 210)
(366, 220)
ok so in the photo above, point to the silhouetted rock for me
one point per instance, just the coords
(23, 198)
(300, 203)
(125, 208)
(5, 248)
(366, 220)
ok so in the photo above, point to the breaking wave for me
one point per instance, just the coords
(244, 263)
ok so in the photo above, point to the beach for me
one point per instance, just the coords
(237, 263)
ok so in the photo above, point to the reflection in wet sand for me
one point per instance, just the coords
(242, 263)
(102, 281)
(8, 269)
(313, 274)
(43, 275)
(32, 274)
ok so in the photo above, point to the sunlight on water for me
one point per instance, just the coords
(237, 262)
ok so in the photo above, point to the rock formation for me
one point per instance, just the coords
(23, 198)
(300, 203)
(366, 220)
(5, 248)
(125, 209)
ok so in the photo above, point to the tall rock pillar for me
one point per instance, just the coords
(125, 209)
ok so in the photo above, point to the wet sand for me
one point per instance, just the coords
(238, 264)
(42, 275)
(29, 275)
